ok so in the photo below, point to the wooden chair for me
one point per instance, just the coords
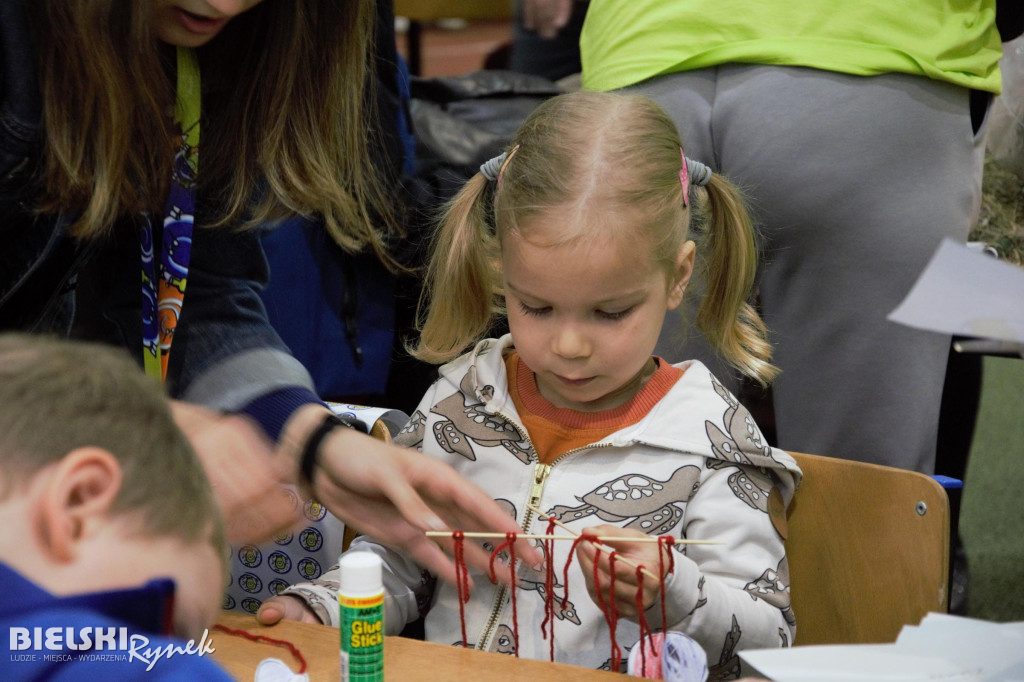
(868, 550)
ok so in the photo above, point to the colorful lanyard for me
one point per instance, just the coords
(163, 295)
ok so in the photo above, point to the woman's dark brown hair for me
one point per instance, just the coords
(284, 127)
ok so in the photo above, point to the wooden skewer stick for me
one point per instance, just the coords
(534, 536)
(544, 516)
(621, 558)
(599, 547)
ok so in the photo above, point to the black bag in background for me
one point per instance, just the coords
(460, 122)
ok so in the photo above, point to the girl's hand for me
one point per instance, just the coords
(626, 584)
(284, 607)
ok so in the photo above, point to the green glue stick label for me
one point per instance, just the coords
(362, 638)
(361, 611)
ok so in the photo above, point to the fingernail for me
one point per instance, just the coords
(435, 523)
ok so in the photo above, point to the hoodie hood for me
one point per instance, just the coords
(730, 435)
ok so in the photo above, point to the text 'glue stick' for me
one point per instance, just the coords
(361, 606)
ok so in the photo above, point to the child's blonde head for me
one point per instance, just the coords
(610, 163)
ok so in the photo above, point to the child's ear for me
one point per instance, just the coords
(81, 490)
(681, 275)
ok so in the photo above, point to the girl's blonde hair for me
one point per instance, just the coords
(284, 128)
(613, 154)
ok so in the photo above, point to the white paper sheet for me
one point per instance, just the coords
(853, 664)
(966, 293)
(942, 648)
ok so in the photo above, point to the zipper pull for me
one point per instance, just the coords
(540, 475)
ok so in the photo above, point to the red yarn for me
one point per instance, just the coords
(641, 618)
(461, 580)
(510, 540)
(608, 608)
(269, 640)
(549, 590)
(512, 579)
(494, 556)
(668, 541)
(597, 585)
(612, 615)
(565, 571)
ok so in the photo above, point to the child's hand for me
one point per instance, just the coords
(284, 607)
(626, 584)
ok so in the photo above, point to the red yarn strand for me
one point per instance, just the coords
(613, 613)
(641, 618)
(565, 570)
(549, 591)
(461, 580)
(510, 540)
(668, 541)
(269, 640)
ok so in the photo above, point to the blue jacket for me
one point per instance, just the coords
(225, 353)
(142, 611)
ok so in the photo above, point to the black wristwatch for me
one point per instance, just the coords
(311, 450)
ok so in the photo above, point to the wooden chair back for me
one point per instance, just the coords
(868, 550)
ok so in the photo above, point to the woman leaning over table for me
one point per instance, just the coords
(101, 181)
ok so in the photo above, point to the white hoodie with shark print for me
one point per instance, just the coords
(696, 467)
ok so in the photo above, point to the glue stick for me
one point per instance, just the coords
(361, 606)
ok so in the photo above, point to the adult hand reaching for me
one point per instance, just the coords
(248, 480)
(394, 494)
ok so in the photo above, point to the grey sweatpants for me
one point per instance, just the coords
(854, 181)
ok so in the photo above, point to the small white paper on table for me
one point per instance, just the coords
(966, 293)
(276, 670)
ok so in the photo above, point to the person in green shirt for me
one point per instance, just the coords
(857, 130)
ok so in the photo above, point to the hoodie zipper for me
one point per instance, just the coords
(499, 598)
(541, 472)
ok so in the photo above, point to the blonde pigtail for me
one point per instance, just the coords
(725, 316)
(459, 299)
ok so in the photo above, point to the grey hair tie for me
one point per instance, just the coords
(492, 167)
(699, 173)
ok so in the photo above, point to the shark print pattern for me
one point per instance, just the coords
(651, 506)
(466, 423)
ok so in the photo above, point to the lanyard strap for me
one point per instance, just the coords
(165, 273)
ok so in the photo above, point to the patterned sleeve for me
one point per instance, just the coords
(735, 595)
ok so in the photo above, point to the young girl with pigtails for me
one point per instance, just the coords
(583, 234)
